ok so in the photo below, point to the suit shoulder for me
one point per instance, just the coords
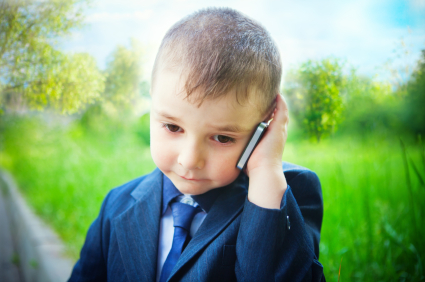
(292, 171)
(304, 183)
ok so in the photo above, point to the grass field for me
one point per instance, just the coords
(373, 209)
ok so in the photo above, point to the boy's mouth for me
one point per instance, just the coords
(191, 179)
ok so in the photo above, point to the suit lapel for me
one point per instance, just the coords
(137, 229)
(225, 209)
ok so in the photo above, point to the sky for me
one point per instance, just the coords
(366, 34)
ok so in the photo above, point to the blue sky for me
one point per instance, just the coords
(362, 32)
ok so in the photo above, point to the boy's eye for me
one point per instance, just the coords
(172, 127)
(223, 139)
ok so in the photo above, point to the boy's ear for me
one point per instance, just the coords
(270, 112)
(268, 117)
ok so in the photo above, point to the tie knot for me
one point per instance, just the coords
(183, 214)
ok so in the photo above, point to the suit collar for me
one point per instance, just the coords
(137, 229)
(145, 186)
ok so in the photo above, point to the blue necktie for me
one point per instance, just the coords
(183, 215)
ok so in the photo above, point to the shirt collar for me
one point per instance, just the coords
(205, 200)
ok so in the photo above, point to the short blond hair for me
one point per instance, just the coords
(220, 50)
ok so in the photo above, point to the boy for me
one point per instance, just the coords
(215, 78)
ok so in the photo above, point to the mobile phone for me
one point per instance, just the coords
(253, 142)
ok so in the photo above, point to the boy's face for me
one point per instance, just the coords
(197, 147)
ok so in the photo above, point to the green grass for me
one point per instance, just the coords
(372, 217)
(373, 210)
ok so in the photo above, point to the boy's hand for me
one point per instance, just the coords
(267, 183)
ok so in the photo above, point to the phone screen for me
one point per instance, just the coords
(255, 139)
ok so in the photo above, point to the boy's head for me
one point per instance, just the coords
(215, 77)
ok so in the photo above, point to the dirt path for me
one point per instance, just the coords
(9, 260)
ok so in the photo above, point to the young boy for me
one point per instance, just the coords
(197, 217)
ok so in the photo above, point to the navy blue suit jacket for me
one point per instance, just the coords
(237, 241)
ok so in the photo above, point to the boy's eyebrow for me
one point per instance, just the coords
(231, 128)
(168, 116)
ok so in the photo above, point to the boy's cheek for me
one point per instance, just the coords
(225, 169)
(160, 152)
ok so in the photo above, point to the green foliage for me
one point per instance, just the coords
(315, 93)
(66, 85)
(414, 107)
(123, 77)
(33, 73)
(370, 105)
(143, 129)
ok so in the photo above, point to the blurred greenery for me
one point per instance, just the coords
(414, 103)
(315, 92)
(65, 171)
(372, 212)
(33, 72)
(123, 76)
(370, 106)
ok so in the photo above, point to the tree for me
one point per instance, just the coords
(415, 99)
(370, 105)
(124, 77)
(33, 73)
(315, 94)
(123, 97)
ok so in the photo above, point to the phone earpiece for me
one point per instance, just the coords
(253, 142)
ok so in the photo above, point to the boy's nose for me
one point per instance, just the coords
(191, 157)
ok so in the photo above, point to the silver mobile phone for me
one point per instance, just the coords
(256, 137)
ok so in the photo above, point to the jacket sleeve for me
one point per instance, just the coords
(92, 264)
(279, 244)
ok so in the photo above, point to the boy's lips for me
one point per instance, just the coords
(191, 179)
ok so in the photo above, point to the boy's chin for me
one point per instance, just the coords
(196, 187)
(193, 188)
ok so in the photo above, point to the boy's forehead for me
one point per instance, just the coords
(170, 86)
(170, 101)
